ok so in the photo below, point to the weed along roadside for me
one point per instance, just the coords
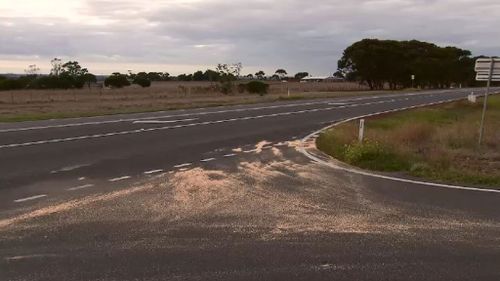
(438, 143)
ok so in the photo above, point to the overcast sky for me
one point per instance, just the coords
(186, 35)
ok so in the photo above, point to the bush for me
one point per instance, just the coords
(257, 87)
(242, 88)
(116, 80)
(142, 81)
(11, 84)
(371, 155)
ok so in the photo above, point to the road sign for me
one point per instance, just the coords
(484, 69)
(488, 69)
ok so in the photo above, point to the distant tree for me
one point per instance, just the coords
(155, 76)
(301, 75)
(199, 76)
(89, 78)
(74, 72)
(211, 75)
(56, 67)
(388, 62)
(281, 73)
(275, 77)
(165, 76)
(260, 74)
(32, 70)
(249, 76)
(228, 73)
(117, 80)
(185, 77)
(142, 81)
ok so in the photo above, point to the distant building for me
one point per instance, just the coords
(322, 79)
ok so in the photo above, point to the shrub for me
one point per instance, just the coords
(372, 155)
(116, 80)
(142, 81)
(257, 87)
(242, 88)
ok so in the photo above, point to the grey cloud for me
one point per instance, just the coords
(298, 35)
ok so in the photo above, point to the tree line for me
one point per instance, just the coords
(381, 63)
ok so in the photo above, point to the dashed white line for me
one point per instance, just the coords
(183, 165)
(80, 187)
(30, 198)
(120, 179)
(230, 155)
(153, 172)
(207, 160)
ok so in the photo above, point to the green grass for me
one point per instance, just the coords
(437, 143)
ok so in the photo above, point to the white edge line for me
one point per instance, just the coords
(80, 187)
(120, 178)
(153, 172)
(30, 198)
(365, 173)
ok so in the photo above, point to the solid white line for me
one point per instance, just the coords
(153, 172)
(80, 187)
(230, 155)
(207, 160)
(183, 165)
(163, 122)
(30, 198)
(120, 178)
(365, 173)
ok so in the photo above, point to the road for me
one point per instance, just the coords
(222, 194)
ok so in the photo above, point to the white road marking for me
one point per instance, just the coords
(153, 172)
(80, 187)
(183, 165)
(120, 178)
(207, 160)
(175, 126)
(209, 112)
(163, 121)
(30, 198)
(81, 178)
(230, 155)
(69, 168)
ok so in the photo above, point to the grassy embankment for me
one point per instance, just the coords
(437, 143)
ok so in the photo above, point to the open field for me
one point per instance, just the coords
(437, 143)
(47, 104)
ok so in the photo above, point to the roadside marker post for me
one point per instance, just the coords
(487, 70)
(361, 130)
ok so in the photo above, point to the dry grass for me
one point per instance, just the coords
(438, 143)
(45, 104)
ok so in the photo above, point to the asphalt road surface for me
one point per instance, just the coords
(223, 194)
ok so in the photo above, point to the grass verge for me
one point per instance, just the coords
(436, 143)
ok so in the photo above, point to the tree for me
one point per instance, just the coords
(211, 75)
(301, 75)
(199, 76)
(117, 80)
(32, 70)
(388, 62)
(227, 74)
(281, 73)
(73, 72)
(56, 67)
(89, 78)
(260, 74)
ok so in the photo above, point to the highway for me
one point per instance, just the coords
(281, 217)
